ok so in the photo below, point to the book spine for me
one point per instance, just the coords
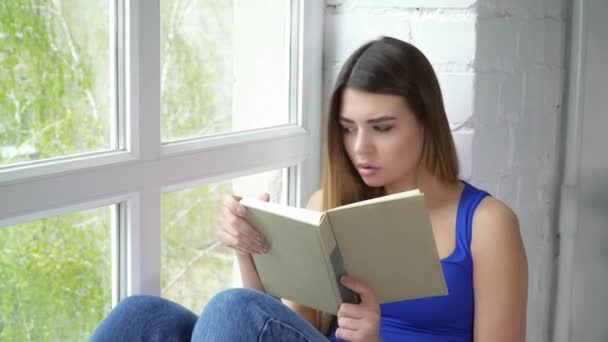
(335, 263)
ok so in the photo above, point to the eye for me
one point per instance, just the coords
(383, 128)
(346, 129)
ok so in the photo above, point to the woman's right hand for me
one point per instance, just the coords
(235, 232)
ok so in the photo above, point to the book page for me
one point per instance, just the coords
(296, 266)
(392, 197)
(300, 214)
(390, 246)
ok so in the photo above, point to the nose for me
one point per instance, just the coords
(363, 142)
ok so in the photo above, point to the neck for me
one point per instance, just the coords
(435, 190)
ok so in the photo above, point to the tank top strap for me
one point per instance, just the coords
(469, 200)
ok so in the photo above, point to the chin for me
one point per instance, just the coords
(373, 183)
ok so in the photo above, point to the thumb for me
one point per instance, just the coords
(365, 292)
(265, 197)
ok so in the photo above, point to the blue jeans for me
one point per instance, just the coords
(232, 315)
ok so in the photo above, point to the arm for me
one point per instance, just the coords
(249, 274)
(500, 274)
(235, 232)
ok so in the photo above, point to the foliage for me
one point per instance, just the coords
(54, 101)
(194, 267)
(48, 105)
(193, 101)
(56, 277)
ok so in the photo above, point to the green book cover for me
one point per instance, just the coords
(387, 242)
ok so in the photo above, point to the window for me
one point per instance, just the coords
(240, 129)
(194, 264)
(55, 97)
(56, 278)
(238, 76)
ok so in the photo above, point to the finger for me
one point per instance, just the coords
(367, 294)
(233, 242)
(264, 197)
(232, 204)
(244, 239)
(350, 311)
(244, 242)
(244, 246)
(348, 323)
(233, 196)
(239, 226)
(232, 239)
(346, 334)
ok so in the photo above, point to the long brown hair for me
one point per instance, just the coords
(387, 66)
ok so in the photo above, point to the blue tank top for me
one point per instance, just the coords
(444, 318)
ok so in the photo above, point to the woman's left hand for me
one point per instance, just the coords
(359, 322)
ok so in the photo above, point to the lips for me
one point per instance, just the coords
(366, 169)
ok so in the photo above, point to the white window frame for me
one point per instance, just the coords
(137, 176)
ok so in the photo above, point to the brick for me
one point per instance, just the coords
(486, 93)
(445, 42)
(553, 89)
(457, 90)
(330, 73)
(554, 107)
(531, 47)
(507, 189)
(510, 100)
(554, 43)
(341, 39)
(527, 135)
(541, 41)
(497, 44)
(533, 95)
(528, 195)
(415, 3)
(555, 9)
(463, 139)
(511, 8)
(490, 151)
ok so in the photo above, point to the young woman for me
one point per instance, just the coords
(387, 132)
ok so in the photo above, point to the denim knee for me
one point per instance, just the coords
(251, 315)
(140, 303)
(146, 318)
(239, 298)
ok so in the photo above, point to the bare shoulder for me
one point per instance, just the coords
(316, 201)
(500, 273)
(495, 225)
(492, 212)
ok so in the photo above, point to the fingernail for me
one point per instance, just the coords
(343, 279)
(263, 248)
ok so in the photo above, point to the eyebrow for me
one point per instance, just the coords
(371, 121)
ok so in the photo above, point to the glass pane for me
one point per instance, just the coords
(55, 277)
(194, 265)
(55, 76)
(224, 66)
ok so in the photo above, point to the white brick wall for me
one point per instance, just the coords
(501, 67)
(520, 71)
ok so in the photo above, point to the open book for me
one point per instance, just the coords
(387, 242)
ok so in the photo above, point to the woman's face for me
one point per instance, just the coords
(382, 137)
